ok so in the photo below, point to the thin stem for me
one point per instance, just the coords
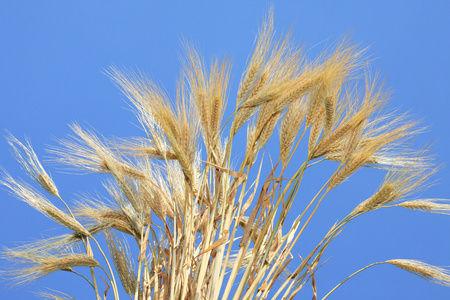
(81, 275)
(113, 280)
(136, 289)
(94, 281)
(366, 267)
(296, 145)
(68, 208)
(316, 162)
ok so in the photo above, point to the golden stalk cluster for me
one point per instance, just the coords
(203, 222)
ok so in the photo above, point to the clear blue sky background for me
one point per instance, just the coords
(52, 54)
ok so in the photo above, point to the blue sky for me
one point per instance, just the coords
(52, 57)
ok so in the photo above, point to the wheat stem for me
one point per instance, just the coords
(366, 267)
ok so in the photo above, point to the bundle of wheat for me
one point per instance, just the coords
(208, 225)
